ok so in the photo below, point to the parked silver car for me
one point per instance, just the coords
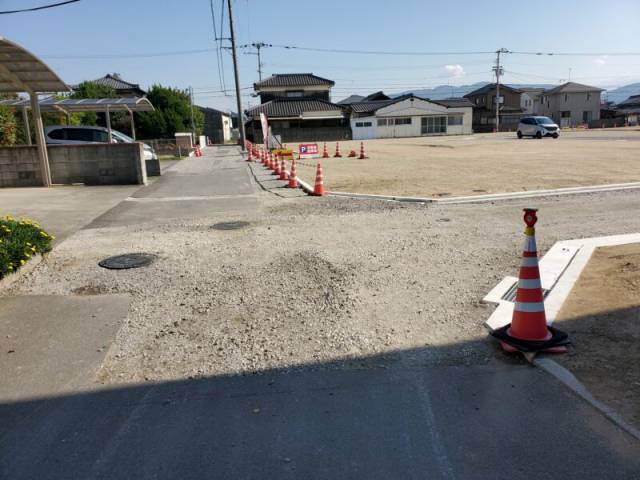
(538, 127)
(73, 134)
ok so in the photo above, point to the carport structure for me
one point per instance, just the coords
(21, 71)
(71, 105)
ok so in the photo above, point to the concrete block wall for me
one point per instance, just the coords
(19, 167)
(90, 164)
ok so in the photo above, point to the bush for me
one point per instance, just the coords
(19, 241)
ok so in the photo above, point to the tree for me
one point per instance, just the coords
(88, 89)
(8, 126)
(172, 114)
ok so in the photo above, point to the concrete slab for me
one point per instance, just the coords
(232, 181)
(62, 210)
(409, 423)
(52, 344)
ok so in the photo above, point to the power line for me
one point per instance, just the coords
(42, 7)
(215, 38)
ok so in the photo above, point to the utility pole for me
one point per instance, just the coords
(258, 46)
(236, 75)
(499, 71)
(193, 123)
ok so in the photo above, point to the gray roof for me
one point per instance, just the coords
(373, 106)
(490, 87)
(114, 81)
(213, 110)
(351, 99)
(632, 101)
(293, 80)
(22, 71)
(122, 104)
(454, 102)
(292, 107)
(572, 87)
(370, 107)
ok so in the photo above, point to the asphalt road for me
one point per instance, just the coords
(378, 417)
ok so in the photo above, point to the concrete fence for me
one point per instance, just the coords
(90, 164)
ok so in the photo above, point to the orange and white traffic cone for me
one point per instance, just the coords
(318, 189)
(528, 331)
(293, 177)
(325, 152)
(276, 165)
(283, 169)
(249, 155)
(362, 155)
(337, 154)
(352, 154)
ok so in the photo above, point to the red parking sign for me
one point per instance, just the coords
(308, 149)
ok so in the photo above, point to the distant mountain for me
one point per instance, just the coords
(619, 94)
(446, 91)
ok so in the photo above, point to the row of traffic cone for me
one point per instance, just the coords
(352, 153)
(196, 151)
(277, 164)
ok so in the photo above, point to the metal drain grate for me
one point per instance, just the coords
(510, 295)
(129, 260)
(230, 225)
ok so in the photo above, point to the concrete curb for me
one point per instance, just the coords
(389, 198)
(540, 193)
(29, 267)
(565, 377)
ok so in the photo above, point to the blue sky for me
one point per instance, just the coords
(107, 29)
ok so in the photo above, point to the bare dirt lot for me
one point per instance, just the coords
(602, 315)
(481, 163)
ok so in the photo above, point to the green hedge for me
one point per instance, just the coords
(20, 239)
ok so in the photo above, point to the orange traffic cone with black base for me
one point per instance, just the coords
(528, 331)
(362, 155)
(249, 155)
(318, 189)
(293, 177)
(352, 154)
(337, 154)
(325, 152)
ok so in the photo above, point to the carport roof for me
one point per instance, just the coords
(22, 71)
(127, 104)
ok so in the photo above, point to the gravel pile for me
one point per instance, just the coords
(327, 283)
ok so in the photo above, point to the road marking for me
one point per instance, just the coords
(186, 199)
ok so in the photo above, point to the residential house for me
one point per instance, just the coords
(530, 98)
(217, 125)
(410, 116)
(298, 108)
(121, 87)
(484, 108)
(571, 104)
(628, 111)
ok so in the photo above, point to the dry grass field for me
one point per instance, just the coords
(481, 163)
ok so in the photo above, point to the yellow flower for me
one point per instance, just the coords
(22, 262)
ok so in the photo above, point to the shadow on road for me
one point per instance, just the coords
(409, 414)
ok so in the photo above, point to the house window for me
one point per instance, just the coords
(566, 97)
(403, 121)
(588, 96)
(433, 125)
(382, 122)
(363, 124)
(295, 93)
(565, 114)
(454, 120)
(587, 116)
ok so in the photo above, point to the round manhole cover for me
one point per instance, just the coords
(230, 225)
(129, 260)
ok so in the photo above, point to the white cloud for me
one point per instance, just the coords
(456, 70)
(601, 61)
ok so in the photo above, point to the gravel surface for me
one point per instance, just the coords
(479, 164)
(327, 281)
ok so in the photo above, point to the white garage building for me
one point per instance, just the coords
(410, 116)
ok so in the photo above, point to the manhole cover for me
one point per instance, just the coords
(130, 260)
(230, 225)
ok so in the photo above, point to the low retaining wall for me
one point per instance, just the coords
(91, 164)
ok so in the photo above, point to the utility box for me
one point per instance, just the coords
(184, 141)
